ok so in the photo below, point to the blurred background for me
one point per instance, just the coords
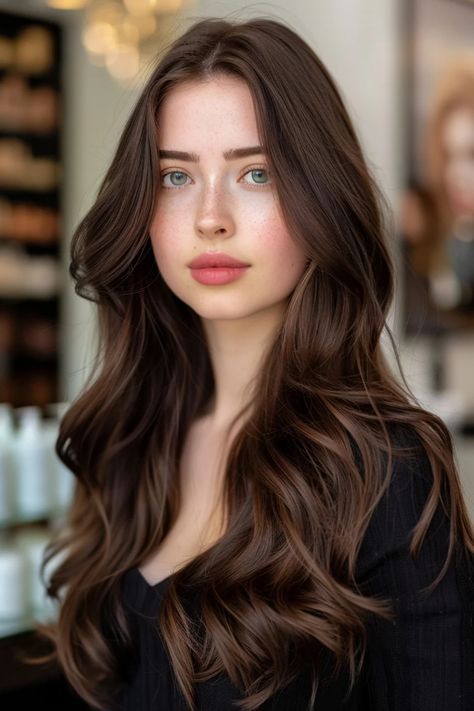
(70, 71)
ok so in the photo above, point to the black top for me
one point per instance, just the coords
(423, 661)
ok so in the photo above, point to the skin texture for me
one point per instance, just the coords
(221, 205)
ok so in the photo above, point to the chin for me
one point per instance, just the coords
(221, 315)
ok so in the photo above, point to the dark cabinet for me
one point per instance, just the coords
(30, 208)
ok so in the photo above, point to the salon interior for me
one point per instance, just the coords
(70, 71)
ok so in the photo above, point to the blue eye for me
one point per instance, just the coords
(257, 175)
(178, 173)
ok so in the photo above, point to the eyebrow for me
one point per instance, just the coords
(231, 154)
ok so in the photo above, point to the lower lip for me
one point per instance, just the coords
(218, 275)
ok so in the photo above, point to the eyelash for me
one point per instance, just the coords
(250, 170)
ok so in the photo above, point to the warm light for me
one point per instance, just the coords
(100, 38)
(128, 31)
(139, 7)
(123, 62)
(168, 5)
(119, 34)
(67, 4)
(146, 25)
(111, 12)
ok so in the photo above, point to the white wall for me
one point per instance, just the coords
(97, 108)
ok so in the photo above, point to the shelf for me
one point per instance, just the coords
(31, 192)
(10, 628)
(40, 686)
(28, 193)
(31, 359)
(49, 77)
(29, 136)
(33, 246)
(50, 301)
(17, 673)
(10, 298)
(17, 521)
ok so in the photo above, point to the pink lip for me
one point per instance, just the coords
(215, 259)
(218, 275)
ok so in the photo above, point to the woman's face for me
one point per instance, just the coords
(209, 204)
(458, 143)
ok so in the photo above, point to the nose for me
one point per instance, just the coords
(214, 217)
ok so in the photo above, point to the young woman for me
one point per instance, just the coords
(263, 516)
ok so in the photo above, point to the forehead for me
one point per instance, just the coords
(217, 109)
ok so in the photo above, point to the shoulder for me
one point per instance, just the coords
(410, 474)
(392, 523)
(428, 641)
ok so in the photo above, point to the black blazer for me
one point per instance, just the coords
(422, 661)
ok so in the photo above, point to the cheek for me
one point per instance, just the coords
(285, 255)
(163, 234)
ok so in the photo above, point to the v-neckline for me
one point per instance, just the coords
(152, 586)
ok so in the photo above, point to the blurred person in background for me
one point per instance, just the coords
(419, 233)
(449, 174)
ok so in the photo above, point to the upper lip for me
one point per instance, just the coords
(215, 259)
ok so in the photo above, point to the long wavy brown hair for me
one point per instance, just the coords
(313, 457)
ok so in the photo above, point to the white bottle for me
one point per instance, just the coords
(32, 541)
(13, 590)
(32, 468)
(64, 479)
(7, 493)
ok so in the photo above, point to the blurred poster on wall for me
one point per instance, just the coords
(437, 207)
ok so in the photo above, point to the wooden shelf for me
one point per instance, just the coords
(18, 308)
(43, 688)
(17, 673)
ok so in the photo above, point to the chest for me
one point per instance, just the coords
(201, 517)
